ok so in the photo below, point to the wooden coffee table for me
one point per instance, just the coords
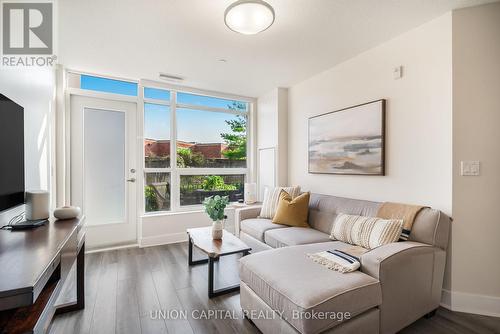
(201, 238)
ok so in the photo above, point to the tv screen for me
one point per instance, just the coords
(11, 153)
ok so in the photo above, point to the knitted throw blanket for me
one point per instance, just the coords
(345, 260)
(406, 212)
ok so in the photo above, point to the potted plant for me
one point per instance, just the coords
(214, 207)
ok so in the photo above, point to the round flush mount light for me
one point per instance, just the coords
(249, 17)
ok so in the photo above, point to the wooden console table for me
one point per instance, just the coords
(34, 266)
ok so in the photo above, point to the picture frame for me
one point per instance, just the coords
(348, 141)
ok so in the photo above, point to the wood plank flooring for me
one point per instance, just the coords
(125, 288)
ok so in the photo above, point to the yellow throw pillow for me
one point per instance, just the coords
(292, 211)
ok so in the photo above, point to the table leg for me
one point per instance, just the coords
(210, 277)
(80, 279)
(190, 251)
(80, 284)
(214, 293)
(190, 255)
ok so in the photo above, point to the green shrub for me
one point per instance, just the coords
(188, 158)
(216, 182)
(151, 202)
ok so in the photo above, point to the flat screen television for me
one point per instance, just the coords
(11, 153)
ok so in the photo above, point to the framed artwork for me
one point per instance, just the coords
(349, 141)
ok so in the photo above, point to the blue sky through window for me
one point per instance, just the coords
(208, 101)
(157, 94)
(156, 121)
(192, 125)
(108, 85)
(202, 126)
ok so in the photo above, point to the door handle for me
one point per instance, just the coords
(131, 180)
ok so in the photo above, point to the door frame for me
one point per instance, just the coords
(132, 146)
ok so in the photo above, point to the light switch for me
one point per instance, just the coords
(469, 168)
(398, 72)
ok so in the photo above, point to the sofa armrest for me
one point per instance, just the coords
(245, 213)
(378, 261)
(411, 277)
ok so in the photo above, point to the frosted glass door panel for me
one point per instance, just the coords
(104, 166)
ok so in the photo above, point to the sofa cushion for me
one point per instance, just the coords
(271, 198)
(294, 236)
(258, 226)
(289, 282)
(292, 211)
(323, 210)
(367, 232)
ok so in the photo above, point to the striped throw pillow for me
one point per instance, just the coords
(271, 199)
(367, 232)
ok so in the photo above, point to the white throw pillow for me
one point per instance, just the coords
(367, 232)
(271, 199)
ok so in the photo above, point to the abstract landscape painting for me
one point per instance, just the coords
(348, 141)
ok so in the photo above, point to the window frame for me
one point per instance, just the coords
(177, 172)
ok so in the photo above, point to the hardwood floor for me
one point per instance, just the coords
(125, 288)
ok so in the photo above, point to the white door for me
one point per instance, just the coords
(103, 168)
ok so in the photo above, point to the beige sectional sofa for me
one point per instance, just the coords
(397, 283)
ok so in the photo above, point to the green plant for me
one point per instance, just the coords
(188, 158)
(215, 205)
(151, 202)
(216, 182)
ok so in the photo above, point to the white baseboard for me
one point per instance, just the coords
(163, 239)
(110, 248)
(470, 303)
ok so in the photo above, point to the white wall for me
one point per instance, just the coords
(476, 117)
(170, 228)
(272, 135)
(419, 114)
(34, 90)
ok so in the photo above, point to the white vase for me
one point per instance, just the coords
(250, 193)
(217, 228)
(67, 212)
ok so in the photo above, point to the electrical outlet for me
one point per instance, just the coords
(469, 168)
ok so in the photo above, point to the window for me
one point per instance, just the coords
(157, 94)
(195, 188)
(157, 192)
(104, 84)
(208, 136)
(156, 136)
(210, 139)
(208, 101)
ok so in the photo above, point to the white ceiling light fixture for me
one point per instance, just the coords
(249, 17)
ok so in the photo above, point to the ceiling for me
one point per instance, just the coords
(138, 39)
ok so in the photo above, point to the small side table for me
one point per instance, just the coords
(201, 238)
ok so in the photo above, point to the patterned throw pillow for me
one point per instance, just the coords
(367, 232)
(271, 199)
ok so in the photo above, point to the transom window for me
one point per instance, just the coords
(102, 84)
(195, 146)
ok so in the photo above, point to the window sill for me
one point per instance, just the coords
(187, 210)
(170, 213)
